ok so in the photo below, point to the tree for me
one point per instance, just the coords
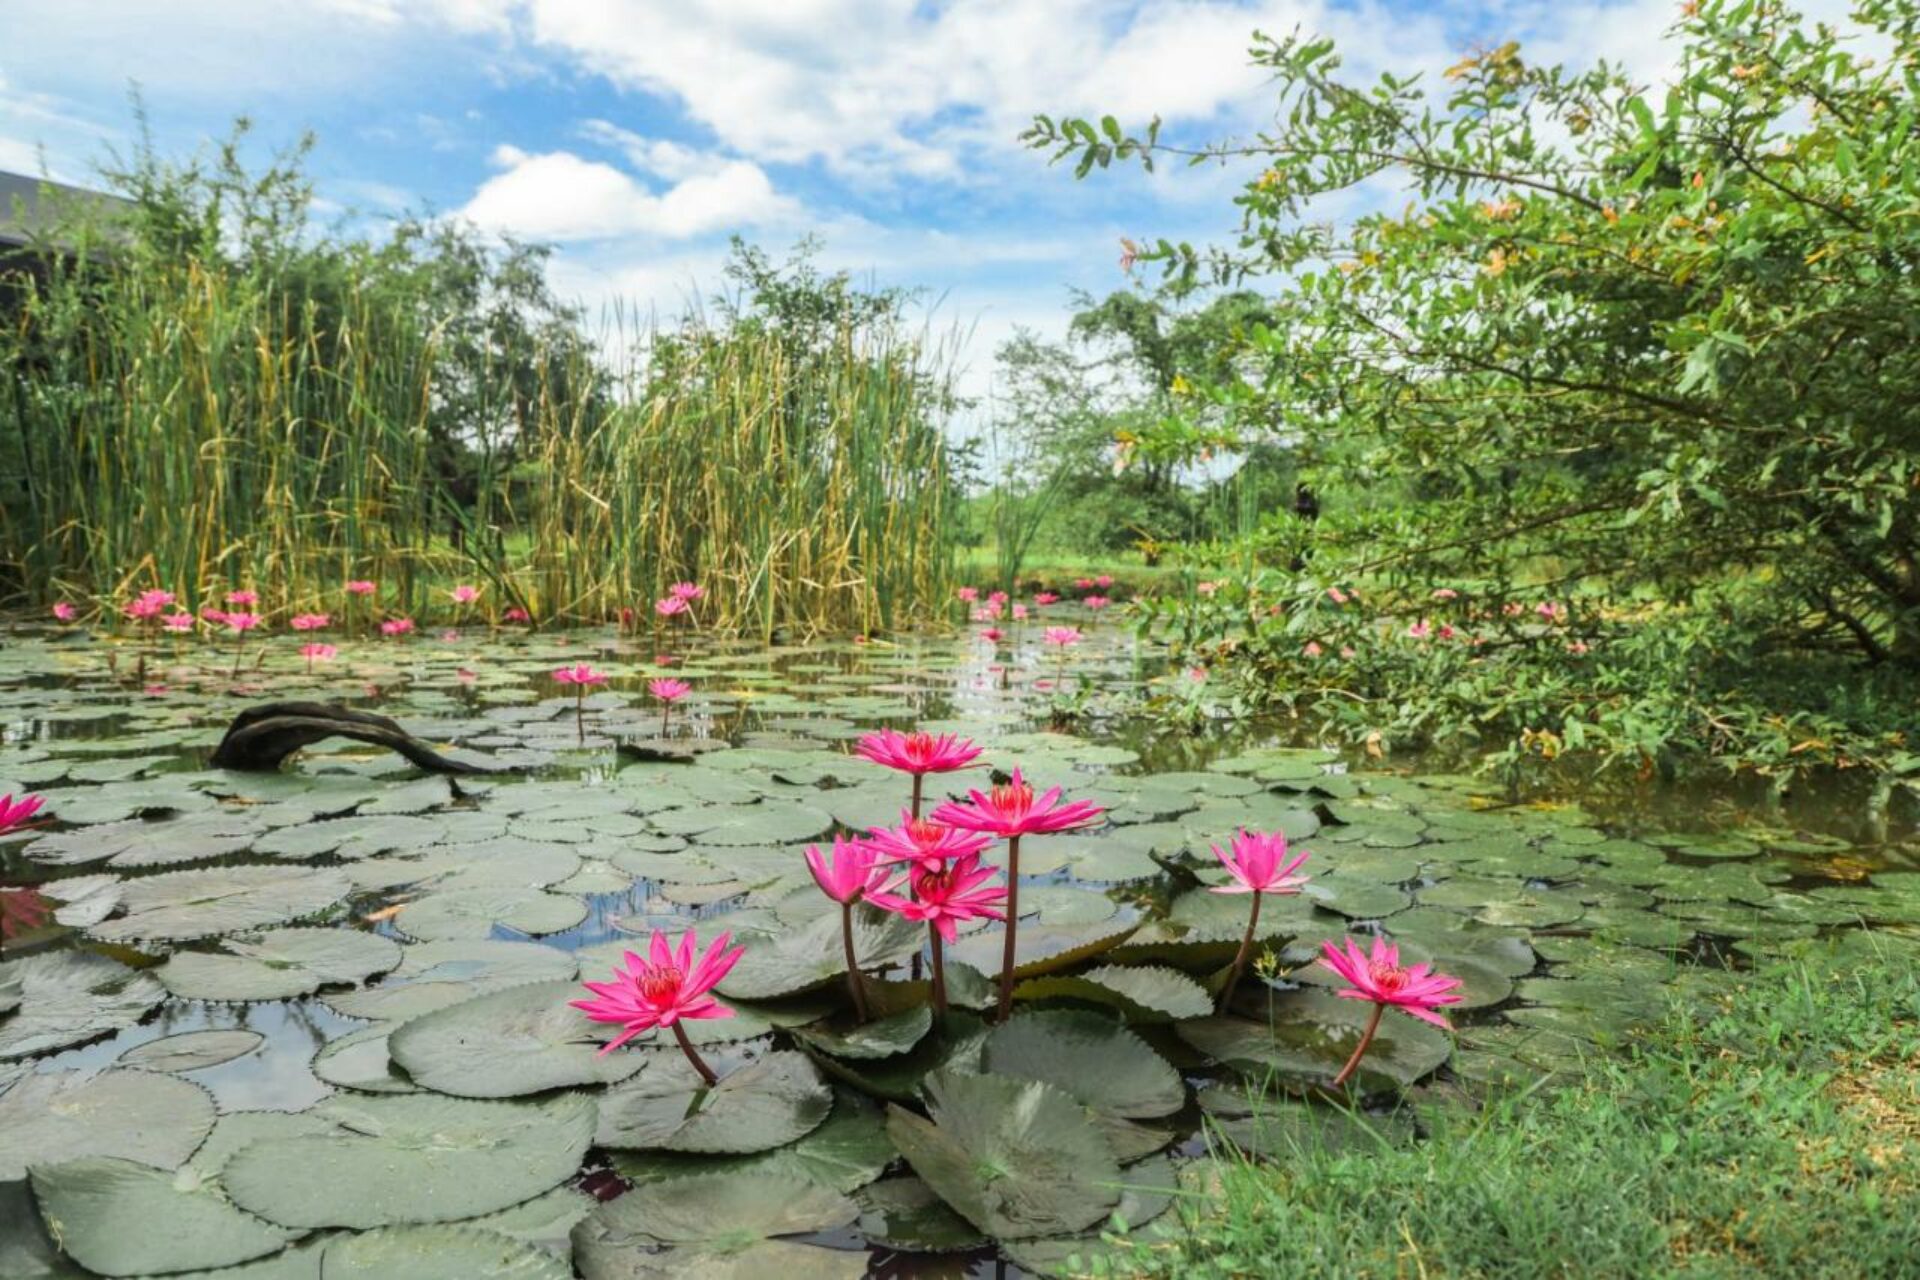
(1664, 343)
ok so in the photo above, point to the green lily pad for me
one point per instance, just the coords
(412, 1158)
(142, 1116)
(1016, 1158)
(440, 1252)
(814, 953)
(122, 1218)
(1088, 1056)
(762, 823)
(64, 998)
(727, 1211)
(353, 838)
(509, 1043)
(137, 843)
(1308, 1036)
(472, 914)
(881, 1038)
(907, 1214)
(362, 1060)
(191, 1050)
(278, 964)
(776, 1099)
(1144, 993)
(1038, 948)
(847, 1151)
(180, 906)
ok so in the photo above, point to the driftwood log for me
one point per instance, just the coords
(261, 737)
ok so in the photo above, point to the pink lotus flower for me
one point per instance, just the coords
(316, 653)
(1445, 593)
(1044, 598)
(1019, 613)
(1379, 977)
(516, 614)
(179, 623)
(1551, 610)
(153, 595)
(987, 613)
(1312, 649)
(1336, 595)
(64, 612)
(849, 872)
(1104, 581)
(579, 674)
(1096, 603)
(967, 594)
(143, 609)
(927, 845)
(243, 598)
(1206, 588)
(668, 690)
(240, 623)
(668, 606)
(918, 753)
(1445, 632)
(1064, 637)
(997, 597)
(1578, 647)
(360, 587)
(992, 635)
(214, 617)
(16, 814)
(397, 627)
(465, 593)
(1420, 630)
(1083, 584)
(309, 621)
(664, 990)
(1346, 651)
(450, 635)
(948, 898)
(1258, 863)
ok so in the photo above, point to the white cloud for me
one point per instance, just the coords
(560, 196)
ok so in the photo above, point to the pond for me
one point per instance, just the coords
(254, 1023)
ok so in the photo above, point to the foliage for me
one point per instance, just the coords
(1772, 1136)
(214, 392)
(1653, 352)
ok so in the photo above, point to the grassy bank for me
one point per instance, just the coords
(1777, 1136)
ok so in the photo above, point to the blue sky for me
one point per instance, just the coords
(637, 135)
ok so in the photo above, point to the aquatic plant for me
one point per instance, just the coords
(667, 989)
(946, 898)
(849, 874)
(917, 754)
(580, 677)
(15, 815)
(1258, 863)
(1378, 976)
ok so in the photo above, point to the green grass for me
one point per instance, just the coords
(1055, 570)
(1778, 1136)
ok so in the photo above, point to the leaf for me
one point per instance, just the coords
(881, 1038)
(64, 998)
(278, 964)
(814, 953)
(1015, 1158)
(135, 1115)
(440, 1252)
(849, 1150)
(122, 1218)
(725, 1210)
(907, 1214)
(191, 1050)
(184, 905)
(510, 1043)
(1088, 1056)
(1144, 993)
(768, 1103)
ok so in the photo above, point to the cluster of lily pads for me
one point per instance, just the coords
(454, 1114)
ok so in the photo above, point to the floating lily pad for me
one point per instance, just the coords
(137, 843)
(122, 1218)
(142, 1116)
(440, 1252)
(63, 998)
(814, 953)
(1039, 948)
(1089, 1056)
(907, 1214)
(474, 913)
(767, 1103)
(362, 1061)
(1145, 993)
(1016, 1158)
(412, 1158)
(353, 838)
(509, 1043)
(1307, 1035)
(278, 964)
(191, 1050)
(881, 1038)
(766, 822)
(180, 906)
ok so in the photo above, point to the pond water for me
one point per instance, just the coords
(254, 1023)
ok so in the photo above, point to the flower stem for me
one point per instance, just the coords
(686, 1047)
(580, 711)
(939, 970)
(919, 782)
(1240, 960)
(1013, 920)
(1366, 1038)
(853, 963)
(666, 709)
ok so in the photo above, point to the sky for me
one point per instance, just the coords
(638, 135)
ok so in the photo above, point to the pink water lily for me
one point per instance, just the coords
(668, 691)
(1258, 863)
(1012, 811)
(666, 989)
(180, 623)
(992, 635)
(465, 593)
(944, 900)
(847, 875)
(243, 598)
(929, 846)
(1096, 603)
(15, 815)
(316, 653)
(64, 612)
(1312, 649)
(1104, 581)
(144, 609)
(1062, 637)
(1378, 976)
(918, 754)
(686, 591)
(242, 622)
(668, 606)
(582, 677)
(515, 613)
(397, 627)
(360, 587)
(310, 621)
(967, 594)
(1044, 598)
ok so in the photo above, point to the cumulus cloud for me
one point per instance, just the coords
(563, 197)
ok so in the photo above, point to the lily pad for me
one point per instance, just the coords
(776, 1099)
(723, 1223)
(907, 1214)
(509, 1043)
(814, 953)
(191, 1050)
(1088, 1056)
(440, 1252)
(1016, 1158)
(475, 913)
(180, 906)
(764, 822)
(122, 1218)
(1309, 1034)
(881, 1038)
(848, 1150)
(278, 964)
(142, 1116)
(63, 998)
(412, 1158)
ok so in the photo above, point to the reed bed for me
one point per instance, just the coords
(203, 426)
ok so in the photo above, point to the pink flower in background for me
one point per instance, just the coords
(950, 897)
(450, 636)
(998, 597)
(1197, 674)
(214, 617)
(1346, 651)
(396, 627)
(1044, 598)
(1019, 613)
(992, 635)
(668, 606)
(16, 814)
(967, 594)
(1512, 609)
(360, 587)
(663, 990)
(579, 674)
(154, 595)
(309, 621)
(240, 623)
(852, 871)
(1445, 593)
(243, 598)
(143, 609)
(317, 653)
(465, 593)
(1258, 863)
(154, 690)
(686, 591)
(1206, 588)
(1577, 647)
(1551, 610)
(668, 690)
(1104, 581)
(917, 753)
(928, 845)
(1013, 810)
(1336, 595)
(1096, 603)
(1064, 637)
(515, 613)
(1379, 977)
(181, 622)
(988, 613)
(1083, 584)
(65, 612)
(1312, 649)
(1420, 630)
